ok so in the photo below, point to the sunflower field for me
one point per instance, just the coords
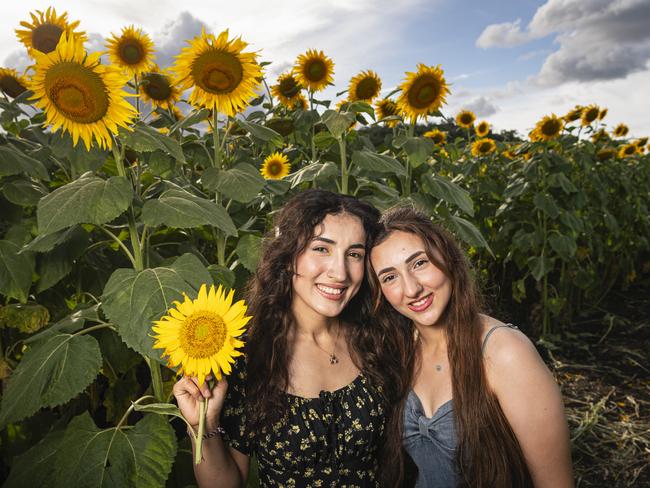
(125, 185)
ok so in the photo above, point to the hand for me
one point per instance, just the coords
(189, 395)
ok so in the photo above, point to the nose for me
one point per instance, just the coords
(412, 286)
(337, 268)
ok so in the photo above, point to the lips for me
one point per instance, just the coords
(331, 292)
(421, 304)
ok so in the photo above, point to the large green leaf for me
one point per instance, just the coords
(379, 163)
(56, 264)
(23, 192)
(133, 300)
(181, 209)
(448, 192)
(147, 139)
(564, 245)
(52, 372)
(15, 271)
(418, 150)
(469, 233)
(13, 161)
(88, 200)
(241, 183)
(89, 457)
(35, 466)
(547, 204)
(312, 172)
(261, 132)
(248, 249)
(190, 120)
(44, 243)
(337, 123)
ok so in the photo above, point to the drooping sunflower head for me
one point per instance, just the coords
(364, 87)
(11, 83)
(223, 77)
(483, 147)
(465, 118)
(599, 135)
(589, 114)
(602, 114)
(509, 154)
(627, 150)
(386, 108)
(287, 89)
(606, 153)
(158, 88)
(548, 128)
(641, 142)
(45, 30)
(482, 128)
(132, 50)
(314, 70)
(621, 130)
(423, 92)
(437, 136)
(573, 114)
(275, 167)
(78, 94)
(299, 103)
(200, 335)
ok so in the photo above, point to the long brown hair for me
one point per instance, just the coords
(488, 453)
(269, 297)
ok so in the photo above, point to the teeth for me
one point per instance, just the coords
(330, 291)
(420, 302)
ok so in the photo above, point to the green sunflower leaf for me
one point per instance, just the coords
(35, 466)
(15, 271)
(447, 191)
(241, 183)
(379, 163)
(14, 161)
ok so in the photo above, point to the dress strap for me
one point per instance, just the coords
(489, 333)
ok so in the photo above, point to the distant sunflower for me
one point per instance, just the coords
(573, 114)
(132, 50)
(314, 70)
(342, 105)
(80, 95)
(158, 88)
(386, 108)
(509, 154)
(483, 147)
(299, 103)
(606, 153)
(44, 32)
(641, 142)
(589, 114)
(599, 135)
(11, 83)
(287, 89)
(621, 130)
(627, 150)
(437, 136)
(223, 77)
(364, 87)
(422, 92)
(275, 167)
(548, 128)
(482, 128)
(201, 335)
(465, 118)
(602, 114)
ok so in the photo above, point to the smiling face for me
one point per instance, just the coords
(409, 280)
(329, 272)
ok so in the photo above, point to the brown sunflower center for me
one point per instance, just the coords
(551, 127)
(289, 87)
(156, 86)
(131, 51)
(45, 37)
(388, 109)
(466, 119)
(485, 147)
(438, 138)
(315, 70)
(274, 167)
(424, 92)
(203, 334)
(217, 72)
(629, 150)
(367, 89)
(11, 86)
(482, 128)
(591, 114)
(77, 92)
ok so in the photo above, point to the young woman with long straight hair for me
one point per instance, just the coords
(314, 398)
(484, 411)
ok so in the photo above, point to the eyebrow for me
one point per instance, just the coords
(330, 241)
(407, 260)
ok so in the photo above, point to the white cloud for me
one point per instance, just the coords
(507, 34)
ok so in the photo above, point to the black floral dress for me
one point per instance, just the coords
(329, 441)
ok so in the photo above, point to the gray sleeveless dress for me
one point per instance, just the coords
(431, 441)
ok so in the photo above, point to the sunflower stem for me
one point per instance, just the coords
(313, 127)
(156, 379)
(203, 408)
(137, 94)
(215, 140)
(344, 165)
(220, 237)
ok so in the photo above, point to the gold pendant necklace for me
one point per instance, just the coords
(332, 355)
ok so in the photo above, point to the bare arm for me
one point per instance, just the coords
(222, 466)
(532, 403)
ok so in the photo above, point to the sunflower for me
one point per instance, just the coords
(627, 150)
(599, 135)
(606, 153)
(287, 89)
(132, 50)
(621, 130)
(423, 91)
(299, 103)
(437, 136)
(465, 118)
(602, 114)
(547, 129)
(275, 167)
(80, 95)
(45, 31)
(573, 114)
(482, 128)
(201, 335)
(386, 108)
(11, 83)
(509, 154)
(640, 143)
(158, 88)
(364, 87)
(589, 114)
(483, 147)
(223, 77)
(314, 70)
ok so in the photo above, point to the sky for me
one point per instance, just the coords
(510, 61)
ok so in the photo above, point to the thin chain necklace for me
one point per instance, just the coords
(332, 355)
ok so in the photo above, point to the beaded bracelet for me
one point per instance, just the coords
(208, 435)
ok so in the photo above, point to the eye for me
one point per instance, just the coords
(387, 278)
(419, 263)
(319, 249)
(356, 255)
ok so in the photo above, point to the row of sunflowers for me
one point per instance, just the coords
(125, 185)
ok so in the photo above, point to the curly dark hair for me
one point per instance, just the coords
(269, 297)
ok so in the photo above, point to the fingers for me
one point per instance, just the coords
(188, 386)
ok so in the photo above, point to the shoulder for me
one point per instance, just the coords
(505, 346)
